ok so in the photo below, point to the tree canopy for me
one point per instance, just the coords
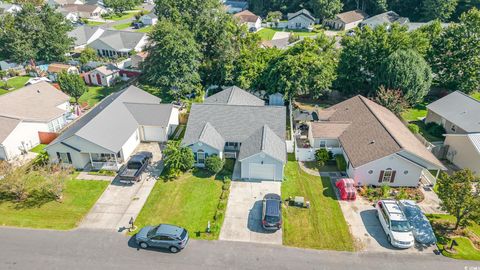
(407, 71)
(364, 52)
(72, 84)
(173, 60)
(34, 33)
(120, 6)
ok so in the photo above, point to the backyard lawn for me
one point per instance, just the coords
(414, 116)
(323, 225)
(39, 148)
(96, 93)
(15, 83)
(268, 33)
(189, 201)
(79, 196)
(465, 249)
(94, 23)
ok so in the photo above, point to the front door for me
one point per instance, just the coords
(99, 79)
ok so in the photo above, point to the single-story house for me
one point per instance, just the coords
(70, 16)
(149, 19)
(347, 20)
(378, 148)
(114, 43)
(7, 64)
(9, 8)
(55, 68)
(137, 59)
(28, 111)
(108, 134)
(301, 19)
(457, 112)
(279, 43)
(233, 7)
(84, 11)
(253, 22)
(387, 18)
(463, 150)
(103, 76)
(56, 3)
(84, 35)
(236, 124)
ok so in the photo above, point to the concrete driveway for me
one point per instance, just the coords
(120, 202)
(244, 210)
(367, 231)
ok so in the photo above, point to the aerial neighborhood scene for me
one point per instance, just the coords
(218, 134)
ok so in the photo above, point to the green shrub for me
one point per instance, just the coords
(222, 205)
(413, 128)
(218, 215)
(321, 156)
(226, 185)
(341, 163)
(435, 129)
(385, 190)
(214, 164)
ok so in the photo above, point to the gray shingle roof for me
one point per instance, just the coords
(7, 125)
(264, 140)
(83, 33)
(388, 17)
(210, 136)
(460, 109)
(35, 102)
(234, 123)
(234, 96)
(304, 12)
(115, 118)
(119, 40)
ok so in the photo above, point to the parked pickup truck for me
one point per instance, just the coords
(135, 167)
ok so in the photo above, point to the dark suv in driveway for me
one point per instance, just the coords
(272, 212)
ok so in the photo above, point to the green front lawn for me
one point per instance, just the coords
(126, 15)
(94, 23)
(266, 33)
(79, 196)
(39, 148)
(146, 29)
(465, 250)
(189, 201)
(122, 26)
(323, 225)
(14, 83)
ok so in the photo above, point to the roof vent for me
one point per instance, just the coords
(38, 91)
(372, 142)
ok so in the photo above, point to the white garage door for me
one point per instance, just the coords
(153, 134)
(262, 171)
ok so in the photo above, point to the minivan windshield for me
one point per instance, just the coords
(400, 226)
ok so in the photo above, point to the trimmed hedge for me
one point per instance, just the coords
(341, 163)
(214, 164)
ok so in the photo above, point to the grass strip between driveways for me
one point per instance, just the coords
(323, 226)
(78, 198)
(189, 201)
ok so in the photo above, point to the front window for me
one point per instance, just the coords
(323, 144)
(387, 175)
(64, 158)
(401, 226)
(200, 157)
(102, 157)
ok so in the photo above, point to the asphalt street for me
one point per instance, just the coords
(96, 249)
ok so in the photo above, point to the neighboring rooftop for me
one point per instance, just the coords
(36, 102)
(120, 40)
(352, 16)
(58, 67)
(303, 12)
(78, 8)
(374, 132)
(460, 109)
(83, 34)
(475, 139)
(120, 114)
(234, 96)
(388, 17)
(107, 69)
(235, 5)
(246, 16)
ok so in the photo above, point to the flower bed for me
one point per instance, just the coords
(385, 192)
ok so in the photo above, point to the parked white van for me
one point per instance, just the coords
(395, 224)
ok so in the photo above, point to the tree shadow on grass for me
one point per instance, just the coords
(36, 200)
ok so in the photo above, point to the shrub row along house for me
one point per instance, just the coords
(459, 114)
(378, 148)
(108, 134)
(29, 113)
(235, 124)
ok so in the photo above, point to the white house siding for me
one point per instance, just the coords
(130, 145)
(24, 136)
(79, 159)
(407, 173)
(463, 153)
(141, 44)
(104, 80)
(205, 148)
(300, 22)
(258, 159)
(173, 122)
(304, 154)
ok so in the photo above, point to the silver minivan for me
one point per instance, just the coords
(167, 236)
